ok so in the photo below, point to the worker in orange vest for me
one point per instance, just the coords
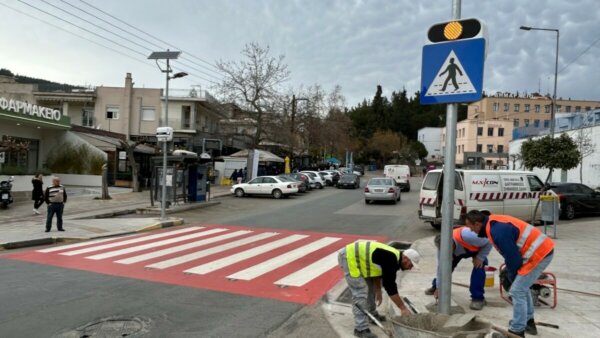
(466, 244)
(526, 251)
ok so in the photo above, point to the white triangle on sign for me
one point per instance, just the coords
(443, 83)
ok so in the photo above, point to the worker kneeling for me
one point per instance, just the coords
(466, 244)
(367, 265)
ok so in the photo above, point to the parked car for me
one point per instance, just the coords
(360, 169)
(327, 177)
(576, 199)
(349, 181)
(302, 187)
(319, 182)
(265, 185)
(304, 178)
(335, 175)
(382, 189)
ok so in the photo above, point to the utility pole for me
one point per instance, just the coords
(293, 125)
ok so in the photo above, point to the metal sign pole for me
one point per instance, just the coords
(448, 198)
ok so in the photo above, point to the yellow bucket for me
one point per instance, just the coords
(490, 276)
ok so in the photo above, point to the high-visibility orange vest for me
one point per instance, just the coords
(457, 235)
(533, 245)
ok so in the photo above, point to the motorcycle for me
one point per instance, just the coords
(5, 196)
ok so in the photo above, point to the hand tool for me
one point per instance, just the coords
(376, 321)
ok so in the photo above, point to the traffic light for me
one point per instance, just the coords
(455, 30)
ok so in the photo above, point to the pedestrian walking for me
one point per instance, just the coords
(526, 251)
(466, 244)
(37, 194)
(367, 265)
(56, 197)
(233, 177)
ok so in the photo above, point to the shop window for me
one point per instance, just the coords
(500, 131)
(490, 131)
(87, 117)
(21, 153)
(148, 114)
(527, 107)
(112, 112)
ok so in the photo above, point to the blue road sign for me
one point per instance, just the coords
(452, 72)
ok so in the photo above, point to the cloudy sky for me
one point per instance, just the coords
(356, 44)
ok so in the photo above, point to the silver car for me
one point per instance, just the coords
(382, 189)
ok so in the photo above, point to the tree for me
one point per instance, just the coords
(386, 143)
(254, 81)
(419, 149)
(583, 140)
(129, 147)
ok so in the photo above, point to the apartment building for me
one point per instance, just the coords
(432, 140)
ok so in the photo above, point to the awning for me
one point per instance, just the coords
(106, 143)
(263, 156)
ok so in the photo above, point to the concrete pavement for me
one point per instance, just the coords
(575, 265)
(87, 217)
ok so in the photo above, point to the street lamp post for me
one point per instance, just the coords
(553, 111)
(168, 55)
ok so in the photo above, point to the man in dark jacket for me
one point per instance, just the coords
(56, 197)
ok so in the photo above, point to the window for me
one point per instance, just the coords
(500, 148)
(506, 107)
(537, 108)
(536, 123)
(479, 148)
(517, 106)
(26, 160)
(582, 189)
(496, 106)
(186, 114)
(463, 132)
(431, 181)
(500, 131)
(568, 109)
(558, 108)
(268, 180)
(148, 114)
(490, 131)
(588, 108)
(577, 109)
(546, 109)
(458, 185)
(546, 123)
(463, 148)
(527, 107)
(87, 117)
(526, 121)
(257, 180)
(490, 148)
(534, 183)
(516, 123)
(112, 112)
(479, 131)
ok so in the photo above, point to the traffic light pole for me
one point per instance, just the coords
(445, 260)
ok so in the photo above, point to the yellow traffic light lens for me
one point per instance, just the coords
(453, 30)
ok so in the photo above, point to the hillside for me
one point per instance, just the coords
(43, 85)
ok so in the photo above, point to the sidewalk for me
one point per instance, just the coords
(86, 217)
(575, 265)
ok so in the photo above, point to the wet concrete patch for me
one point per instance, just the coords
(118, 326)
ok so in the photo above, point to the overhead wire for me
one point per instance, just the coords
(150, 35)
(578, 56)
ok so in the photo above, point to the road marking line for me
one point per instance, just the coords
(310, 272)
(199, 254)
(279, 261)
(235, 258)
(77, 245)
(183, 247)
(154, 244)
(131, 241)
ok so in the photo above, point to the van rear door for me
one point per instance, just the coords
(535, 186)
(428, 199)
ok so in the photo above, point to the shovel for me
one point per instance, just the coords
(376, 321)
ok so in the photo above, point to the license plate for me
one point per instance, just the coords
(4, 196)
(378, 190)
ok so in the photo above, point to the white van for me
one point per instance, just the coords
(400, 173)
(506, 192)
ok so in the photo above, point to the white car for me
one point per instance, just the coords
(265, 185)
(319, 182)
(327, 176)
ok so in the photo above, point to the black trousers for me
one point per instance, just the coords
(38, 203)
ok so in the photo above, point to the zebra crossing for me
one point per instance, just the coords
(293, 266)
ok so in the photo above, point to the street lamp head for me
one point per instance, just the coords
(178, 75)
(525, 28)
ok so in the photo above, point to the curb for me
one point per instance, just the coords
(186, 207)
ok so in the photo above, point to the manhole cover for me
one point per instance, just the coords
(110, 328)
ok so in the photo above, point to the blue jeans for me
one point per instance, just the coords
(476, 287)
(521, 295)
(55, 208)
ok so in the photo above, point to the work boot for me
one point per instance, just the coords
(366, 333)
(520, 333)
(530, 328)
(430, 291)
(477, 304)
(379, 317)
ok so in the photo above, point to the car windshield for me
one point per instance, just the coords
(380, 181)
(347, 178)
(286, 179)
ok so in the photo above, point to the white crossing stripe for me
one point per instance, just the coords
(155, 244)
(281, 260)
(223, 262)
(199, 254)
(310, 272)
(77, 245)
(131, 241)
(164, 252)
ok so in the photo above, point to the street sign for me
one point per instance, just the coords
(452, 72)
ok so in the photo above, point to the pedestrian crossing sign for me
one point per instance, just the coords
(452, 72)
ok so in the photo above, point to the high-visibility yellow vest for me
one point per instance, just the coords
(358, 255)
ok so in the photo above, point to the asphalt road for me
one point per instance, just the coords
(45, 301)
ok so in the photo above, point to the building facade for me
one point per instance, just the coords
(432, 140)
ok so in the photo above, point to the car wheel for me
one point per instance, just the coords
(239, 192)
(437, 226)
(569, 212)
(277, 194)
(367, 201)
(319, 185)
(408, 188)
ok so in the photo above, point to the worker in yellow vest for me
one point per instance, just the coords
(368, 265)
(526, 251)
